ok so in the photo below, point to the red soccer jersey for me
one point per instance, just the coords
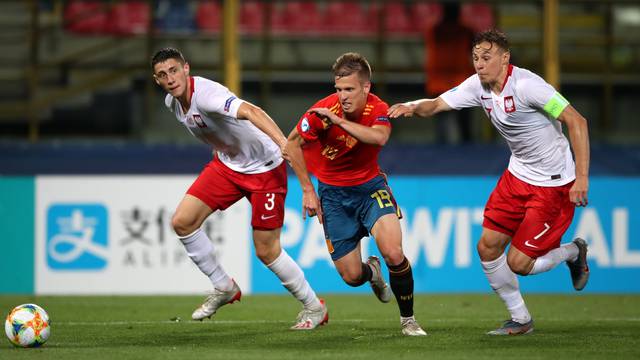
(332, 154)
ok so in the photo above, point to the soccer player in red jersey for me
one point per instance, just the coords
(338, 140)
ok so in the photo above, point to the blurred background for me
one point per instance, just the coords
(77, 100)
(79, 69)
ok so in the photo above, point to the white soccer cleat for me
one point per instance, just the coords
(410, 327)
(216, 300)
(378, 285)
(310, 319)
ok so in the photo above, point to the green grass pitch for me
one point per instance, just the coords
(145, 327)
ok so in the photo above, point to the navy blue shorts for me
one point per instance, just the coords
(349, 212)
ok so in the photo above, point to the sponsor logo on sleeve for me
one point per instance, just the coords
(304, 125)
(227, 103)
(382, 118)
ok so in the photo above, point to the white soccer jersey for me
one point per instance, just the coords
(212, 118)
(525, 115)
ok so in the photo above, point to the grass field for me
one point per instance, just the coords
(119, 327)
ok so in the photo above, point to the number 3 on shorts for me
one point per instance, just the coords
(383, 198)
(270, 201)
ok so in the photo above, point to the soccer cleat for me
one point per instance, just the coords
(511, 327)
(410, 327)
(579, 268)
(310, 319)
(379, 287)
(215, 300)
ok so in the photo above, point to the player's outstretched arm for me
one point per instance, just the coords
(262, 121)
(579, 136)
(376, 135)
(422, 107)
(293, 154)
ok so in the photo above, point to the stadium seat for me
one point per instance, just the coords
(477, 16)
(129, 18)
(209, 16)
(252, 16)
(425, 15)
(297, 17)
(85, 17)
(174, 16)
(396, 18)
(347, 17)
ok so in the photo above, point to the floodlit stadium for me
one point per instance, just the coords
(162, 159)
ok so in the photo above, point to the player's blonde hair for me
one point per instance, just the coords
(351, 62)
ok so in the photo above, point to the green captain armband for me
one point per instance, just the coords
(555, 105)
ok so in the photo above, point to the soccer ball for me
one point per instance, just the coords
(27, 325)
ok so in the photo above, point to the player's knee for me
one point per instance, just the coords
(352, 278)
(267, 255)
(393, 257)
(518, 267)
(486, 252)
(184, 225)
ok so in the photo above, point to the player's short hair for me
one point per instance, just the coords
(492, 36)
(165, 54)
(351, 62)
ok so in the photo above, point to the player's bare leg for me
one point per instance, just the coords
(186, 222)
(504, 282)
(269, 251)
(388, 237)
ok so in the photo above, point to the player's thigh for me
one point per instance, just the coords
(215, 187)
(388, 235)
(349, 266)
(189, 215)
(342, 229)
(505, 209)
(267, 193)
(545, 222)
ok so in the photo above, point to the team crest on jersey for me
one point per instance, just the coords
(227, 103)
(509, 104)
(304, 125)
(198, 119)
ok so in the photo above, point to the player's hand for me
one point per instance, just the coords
(401, 109)
(311, 205)
(285, 153)
(578, 192)
(327, 115)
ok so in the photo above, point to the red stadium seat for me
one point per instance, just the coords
(252, 16)
(85, 17)
(347, 17)
(129, 18)
(396, 18)
(208, 16)
(297, 17)
(426, 15)
(477, 16)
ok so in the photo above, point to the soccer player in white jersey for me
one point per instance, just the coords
(534, 201)
(247, 164)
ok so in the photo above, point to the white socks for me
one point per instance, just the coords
(566, 252)
(505, 283)
(201, 251)
(293, 279)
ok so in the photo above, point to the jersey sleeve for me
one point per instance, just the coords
(310, 126)
(216, 98)
(379, 115)
(465, 95)
(539, 94)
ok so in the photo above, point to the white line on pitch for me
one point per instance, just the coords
(232, 322)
